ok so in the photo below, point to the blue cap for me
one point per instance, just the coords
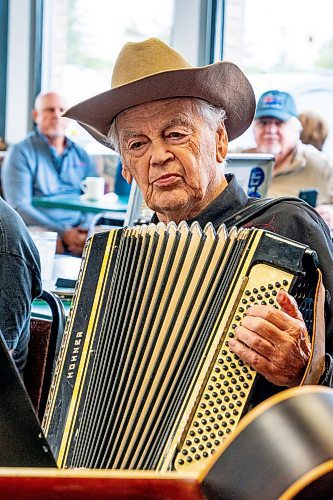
(276, 104)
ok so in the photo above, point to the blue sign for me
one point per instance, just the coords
(257, 177)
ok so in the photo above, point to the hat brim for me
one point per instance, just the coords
(283, 116)
(222, 84)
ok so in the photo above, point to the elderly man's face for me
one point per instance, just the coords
(173, 155)
(275, 136)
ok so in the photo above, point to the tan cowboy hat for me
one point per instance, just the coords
(151, 70)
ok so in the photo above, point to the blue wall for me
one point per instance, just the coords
(3, 63)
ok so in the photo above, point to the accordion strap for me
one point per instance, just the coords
(257, 207)
(316, 364)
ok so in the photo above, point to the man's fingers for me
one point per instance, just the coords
(288, 304)
(281, 318)
(257, 361)
(263, 319)
(255, 342)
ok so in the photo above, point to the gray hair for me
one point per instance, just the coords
(213, 115)
(41, 95)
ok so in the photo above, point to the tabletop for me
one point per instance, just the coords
(41, 310)
(109, 203)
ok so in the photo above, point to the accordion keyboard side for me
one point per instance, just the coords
(230, 381)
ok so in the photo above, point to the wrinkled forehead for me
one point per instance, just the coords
(161, 113)
(170, 105)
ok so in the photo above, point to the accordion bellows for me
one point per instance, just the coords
(145, 378)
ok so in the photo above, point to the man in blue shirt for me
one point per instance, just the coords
(47, 163)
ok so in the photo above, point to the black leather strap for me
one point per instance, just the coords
(257, 207)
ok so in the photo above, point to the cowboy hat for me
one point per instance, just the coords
(151, 70)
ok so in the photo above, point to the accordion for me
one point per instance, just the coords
(145, 378)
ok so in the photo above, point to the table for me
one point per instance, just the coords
(41, 310)
(109, 203)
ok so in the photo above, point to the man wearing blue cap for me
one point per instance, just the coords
(297, 166)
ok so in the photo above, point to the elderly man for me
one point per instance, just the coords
(47, 163)
(298, 166)
(170, 123)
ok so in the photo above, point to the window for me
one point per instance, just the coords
(285, 45)
(83, 38)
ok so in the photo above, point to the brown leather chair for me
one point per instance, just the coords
(45, 340)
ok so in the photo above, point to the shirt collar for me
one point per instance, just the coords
(228, 202)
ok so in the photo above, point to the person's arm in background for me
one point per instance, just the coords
(17, 174)
(20, 282)
(325, 209)
(15, 303)
(73, 239)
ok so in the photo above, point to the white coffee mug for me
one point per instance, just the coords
(93, 188)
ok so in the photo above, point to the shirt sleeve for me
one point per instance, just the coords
(20, 288)
(17, 184)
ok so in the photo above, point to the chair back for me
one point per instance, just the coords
(45, 340)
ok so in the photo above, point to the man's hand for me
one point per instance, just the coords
(274, 342)
(74, 239)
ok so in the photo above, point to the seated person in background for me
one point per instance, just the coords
(315, 130)
(174, 148)
(20, 282)
(297, 166)
(47, 163)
